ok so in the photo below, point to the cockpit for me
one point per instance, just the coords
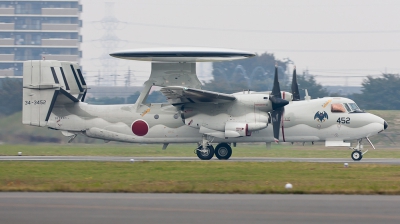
(345, 107)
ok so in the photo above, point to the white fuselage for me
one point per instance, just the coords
(165, 123)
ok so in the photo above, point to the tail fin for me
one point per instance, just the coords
(47, 83)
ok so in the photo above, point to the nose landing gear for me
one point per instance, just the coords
(357, 154)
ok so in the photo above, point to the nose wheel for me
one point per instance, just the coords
(356, 155)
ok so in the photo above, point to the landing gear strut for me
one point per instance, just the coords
(357, 154)
(205, 151)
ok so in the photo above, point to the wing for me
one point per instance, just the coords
(180, 95)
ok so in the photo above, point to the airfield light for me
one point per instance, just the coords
(288, 186)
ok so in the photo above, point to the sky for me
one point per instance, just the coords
(340, 42)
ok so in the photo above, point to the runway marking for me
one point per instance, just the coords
(135, 208)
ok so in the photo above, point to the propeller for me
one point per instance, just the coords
(182, 112)
(295, 87)
(277, 105)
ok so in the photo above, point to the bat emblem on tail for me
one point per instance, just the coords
(321, 116)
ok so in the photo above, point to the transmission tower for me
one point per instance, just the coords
(128, 78)
(99, 78)
(109, 41)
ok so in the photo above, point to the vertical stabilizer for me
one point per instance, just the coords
(47, 83)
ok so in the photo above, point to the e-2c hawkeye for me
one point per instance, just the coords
(54, 94)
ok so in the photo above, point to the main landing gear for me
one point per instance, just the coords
(223, 151)
(357, 154)
(206, 151)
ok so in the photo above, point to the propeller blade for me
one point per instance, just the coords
(182, 112)
(275, 97)
(276, 90)
(295, 87)
(277, 105)
(276, 122)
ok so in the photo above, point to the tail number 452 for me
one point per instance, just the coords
(343, 120)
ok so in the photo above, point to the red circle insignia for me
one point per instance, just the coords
(140, 127)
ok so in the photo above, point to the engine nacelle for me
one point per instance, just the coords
(287, 96)
(236, 129)
(240, 129)
(257, 126)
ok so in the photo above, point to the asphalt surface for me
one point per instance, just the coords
(241, 159)
(99, 208)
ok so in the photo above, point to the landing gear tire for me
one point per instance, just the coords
(223, 151)
(356, 155)
(205, 154)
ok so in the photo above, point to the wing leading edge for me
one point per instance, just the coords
(177, 95)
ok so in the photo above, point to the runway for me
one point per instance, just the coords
(99, 208)
(232, 159)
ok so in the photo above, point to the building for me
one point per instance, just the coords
(35, 30)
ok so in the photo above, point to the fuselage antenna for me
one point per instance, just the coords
(307, 97)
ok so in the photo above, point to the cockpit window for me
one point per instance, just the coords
(353, 106)
(347, 107)
(337, 108)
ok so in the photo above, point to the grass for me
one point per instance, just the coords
(389, 137)
(186, 150)
(200, 177)
(193, 177)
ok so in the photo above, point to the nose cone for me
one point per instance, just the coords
(385, 125)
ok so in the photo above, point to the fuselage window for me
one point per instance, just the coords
(337, 108)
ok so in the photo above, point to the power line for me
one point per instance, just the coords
(109, 41)
(119, 70)
(336, 51)
(267, 31)
(279, 50)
